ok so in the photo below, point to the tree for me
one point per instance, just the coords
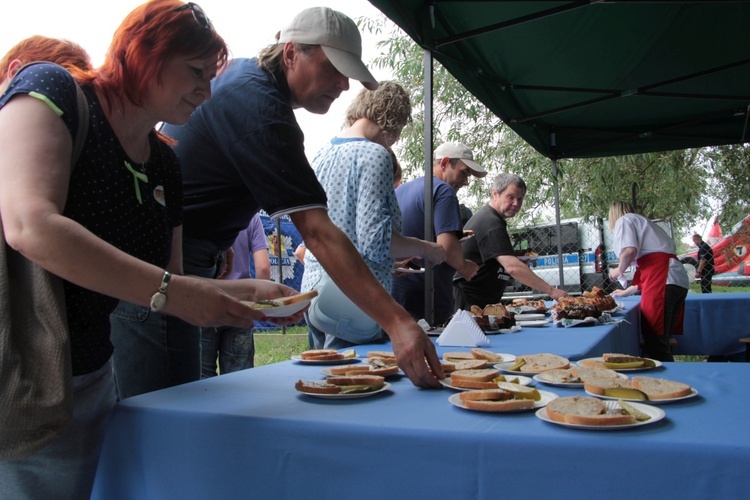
(681, 186)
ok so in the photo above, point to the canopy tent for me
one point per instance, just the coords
(596, 78)
(578, 79)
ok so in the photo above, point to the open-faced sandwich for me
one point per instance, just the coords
(581, 410)
(348, 384)
(497, 400)
(639, 388)
(493, 317)
(537, 363)
(327, 355)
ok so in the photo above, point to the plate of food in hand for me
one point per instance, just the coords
(640, 389)
(581, 412)
(621, 362)
(326, 357)
(343, 387)
(284, 306)
(504, 399)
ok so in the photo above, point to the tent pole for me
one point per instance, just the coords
(557, 217)
(429, 276)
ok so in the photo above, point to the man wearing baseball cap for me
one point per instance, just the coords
(243, 150)
(453, 165)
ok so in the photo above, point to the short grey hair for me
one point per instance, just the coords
(502, 181)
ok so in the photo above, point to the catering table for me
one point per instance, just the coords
(251, 435)
(714, 323)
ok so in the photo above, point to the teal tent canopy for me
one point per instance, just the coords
(593, 78)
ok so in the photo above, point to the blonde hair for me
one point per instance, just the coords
(389, 107)
(617, 209)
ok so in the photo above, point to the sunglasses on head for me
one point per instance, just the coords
(198, 14)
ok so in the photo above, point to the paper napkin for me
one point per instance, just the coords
(463, 331)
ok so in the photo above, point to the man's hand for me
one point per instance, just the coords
(416, 356)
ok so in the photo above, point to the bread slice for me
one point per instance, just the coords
(495, 310)
(479, 353)
(349, 369)
(484, 374)
(600, 385)
(659, 388)
(558, 376)
(374, 382)
(317, 387)
(458, 356)
(581, 410)
(586, 373)
(321, 354)
(475, 379)
(537, 363)
(494, 400)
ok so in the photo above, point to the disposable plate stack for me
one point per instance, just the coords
(463, 331)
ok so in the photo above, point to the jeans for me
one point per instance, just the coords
(235, 348)
(152, 350)
(65, 468)
(320, 340)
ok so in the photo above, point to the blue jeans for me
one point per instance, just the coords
(235, 348)
(65, 467)
(153, 350)
(321, 340)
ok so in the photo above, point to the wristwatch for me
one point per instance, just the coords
(159, 299)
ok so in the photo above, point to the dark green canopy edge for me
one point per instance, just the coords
(584, 79)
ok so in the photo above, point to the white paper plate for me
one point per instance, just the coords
(327, 373)
(533, 323)
(547, 396)
(641, 368)
(446, 382)
(531, 316)
(283, 311)
(354, 395)
(655, 413)
(408, 270)
(299, 359)
(693, 393)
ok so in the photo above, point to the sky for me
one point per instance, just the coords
(245, 26)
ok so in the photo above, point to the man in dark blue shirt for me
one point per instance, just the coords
(705, 270)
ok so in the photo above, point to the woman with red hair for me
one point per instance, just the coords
(110, 226)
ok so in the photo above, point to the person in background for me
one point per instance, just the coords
(465, 214)
(492, 249)
(110, 227)
(234, 347)
(69, 55)
(659, 276)
(356, 170)
(452, 166)
(398, 173)
(243, 150)
(705, 270)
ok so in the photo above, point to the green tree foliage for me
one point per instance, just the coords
(680, 186)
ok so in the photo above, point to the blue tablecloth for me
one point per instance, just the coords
(714, 323)
(251, 435)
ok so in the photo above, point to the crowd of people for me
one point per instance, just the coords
(152, 231)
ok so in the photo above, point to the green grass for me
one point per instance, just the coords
(272, 346)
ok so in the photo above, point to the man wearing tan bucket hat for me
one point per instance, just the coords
(243, 150)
